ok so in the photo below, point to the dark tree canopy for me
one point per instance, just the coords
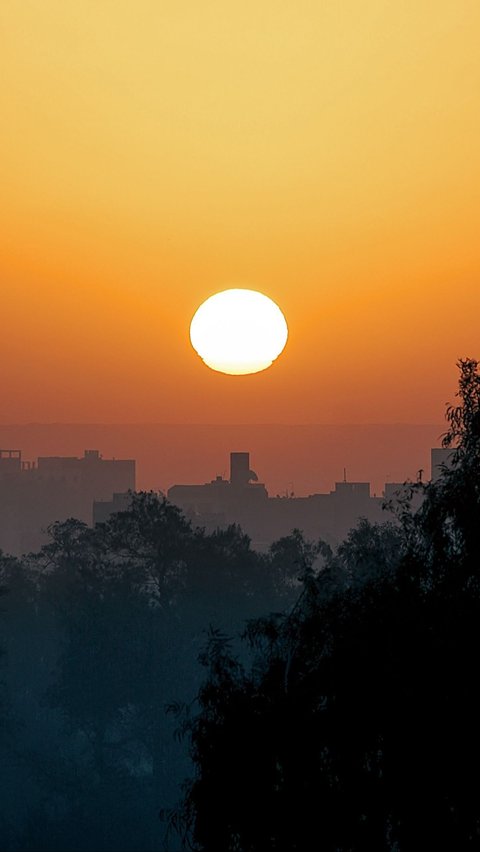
(356, 723)
(101, 630)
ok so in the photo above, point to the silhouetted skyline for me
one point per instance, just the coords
(90, 488)
(303, 458)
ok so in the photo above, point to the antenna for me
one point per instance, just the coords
(420, 475)
(344, 474)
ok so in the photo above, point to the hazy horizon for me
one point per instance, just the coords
(303, 458)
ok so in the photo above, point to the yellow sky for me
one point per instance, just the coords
(151, 153)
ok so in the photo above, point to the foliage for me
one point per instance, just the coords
(356, 721)
(102, 630)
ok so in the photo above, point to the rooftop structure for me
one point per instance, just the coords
(244, 500)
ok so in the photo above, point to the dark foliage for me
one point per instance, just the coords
(355, 724)
(101, 630)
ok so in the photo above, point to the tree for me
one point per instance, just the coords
(356, 721)
(122, 611)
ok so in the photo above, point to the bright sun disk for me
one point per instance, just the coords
(238, 332)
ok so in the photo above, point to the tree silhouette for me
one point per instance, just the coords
(103, 628)
(355, 724)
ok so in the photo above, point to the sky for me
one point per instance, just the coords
(157, 151)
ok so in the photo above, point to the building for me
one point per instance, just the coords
(91, 488)
(243, 500)
(440, 458)
(103, 509)
(34, 495)
(224, 501)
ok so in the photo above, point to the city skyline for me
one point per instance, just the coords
(300, 458)
(35, 494)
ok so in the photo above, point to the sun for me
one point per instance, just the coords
(238, 332)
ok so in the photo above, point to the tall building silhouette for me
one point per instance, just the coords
(34, 495)
(245, 501)
(441, 457)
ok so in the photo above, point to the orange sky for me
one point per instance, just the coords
(153, 152)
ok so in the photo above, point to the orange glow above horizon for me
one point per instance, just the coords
(325, 154)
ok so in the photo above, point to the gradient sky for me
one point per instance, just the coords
(154, 152)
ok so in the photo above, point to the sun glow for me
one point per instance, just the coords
(238, 332)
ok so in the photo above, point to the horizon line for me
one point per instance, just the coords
(215, 425)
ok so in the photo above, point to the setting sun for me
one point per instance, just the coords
(238, 332)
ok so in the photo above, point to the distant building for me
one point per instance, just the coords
(245, 501)
(32, 496)
(104, 509)
(440, 458)
(223, 501)
(91, 488)
(402, 493)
